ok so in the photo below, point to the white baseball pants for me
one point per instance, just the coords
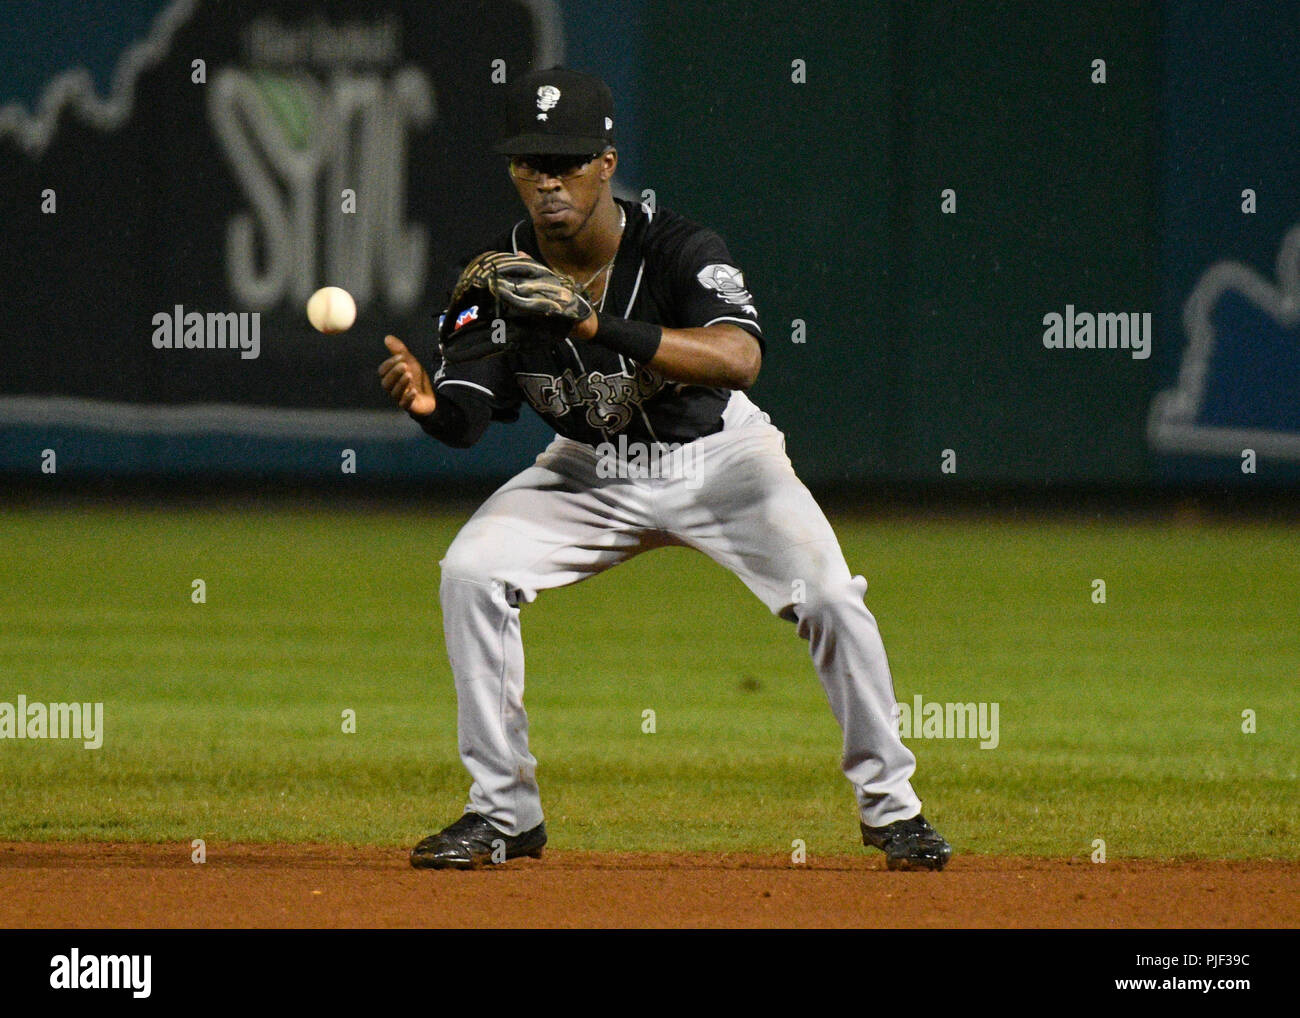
(737, 499)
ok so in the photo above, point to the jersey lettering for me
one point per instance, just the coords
(609, 399)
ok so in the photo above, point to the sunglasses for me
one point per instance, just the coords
(535, 167)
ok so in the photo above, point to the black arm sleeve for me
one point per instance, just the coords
(461, 417)
(470, 395)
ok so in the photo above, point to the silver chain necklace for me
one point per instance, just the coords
(622, 224)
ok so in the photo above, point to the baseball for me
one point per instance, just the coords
(331, 309)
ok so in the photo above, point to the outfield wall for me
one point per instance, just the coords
(911, 188)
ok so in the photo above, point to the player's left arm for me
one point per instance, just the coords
(722, 355)
(715, 338)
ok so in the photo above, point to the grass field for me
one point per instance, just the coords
(1120, 721)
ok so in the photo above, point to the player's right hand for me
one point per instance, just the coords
(405, 381)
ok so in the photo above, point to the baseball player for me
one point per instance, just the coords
(631, 331)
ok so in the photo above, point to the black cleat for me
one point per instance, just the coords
(909, 844)
(472, 841)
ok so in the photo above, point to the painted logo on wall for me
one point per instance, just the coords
(1238, 384)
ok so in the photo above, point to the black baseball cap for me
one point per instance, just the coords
(557, 112)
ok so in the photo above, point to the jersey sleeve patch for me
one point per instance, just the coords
(728, 282)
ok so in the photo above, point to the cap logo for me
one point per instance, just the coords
(547, 97)
(609, 124)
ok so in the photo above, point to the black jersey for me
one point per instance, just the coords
(668, 271)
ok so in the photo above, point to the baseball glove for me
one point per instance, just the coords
(506, 301)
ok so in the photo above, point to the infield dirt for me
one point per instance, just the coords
(86, 885)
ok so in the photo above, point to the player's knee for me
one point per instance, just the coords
(829, 602)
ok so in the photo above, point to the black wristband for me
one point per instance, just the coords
(638, 340)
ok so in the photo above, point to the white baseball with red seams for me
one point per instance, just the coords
(331, 309)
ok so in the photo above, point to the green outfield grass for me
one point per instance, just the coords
(1120, 721)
